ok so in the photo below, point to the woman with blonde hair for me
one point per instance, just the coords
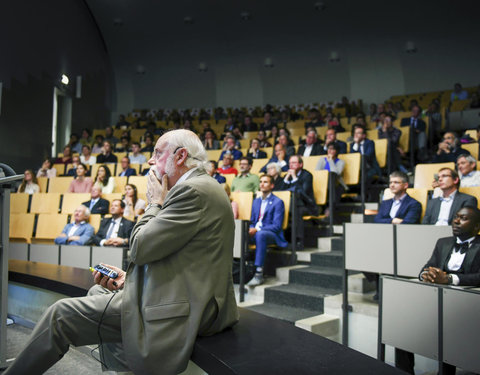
(29, 184)
(133, 205)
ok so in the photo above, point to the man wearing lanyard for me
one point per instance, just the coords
(266, 225)
(454, 261)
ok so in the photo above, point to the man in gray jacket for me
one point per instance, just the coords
(177, 286)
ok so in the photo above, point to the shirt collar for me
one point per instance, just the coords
(185, 175)
(449, 198)
(267, 198)
(469, 240)
(401, 199)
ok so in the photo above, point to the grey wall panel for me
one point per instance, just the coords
(415, 244)
(410, 316)
(369, 247)
(75, 256)
(44, 253)
(108, 255)
(461, 329)
(18, 250)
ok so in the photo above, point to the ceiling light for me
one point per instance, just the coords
(141, 70)
(188, 20)
(65, 79)
(245, 16)
(334, 57)
(202, 67)
(410, 47)
(268, 63)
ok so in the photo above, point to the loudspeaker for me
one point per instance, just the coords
(78, 87)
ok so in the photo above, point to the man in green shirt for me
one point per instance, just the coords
(246, 181)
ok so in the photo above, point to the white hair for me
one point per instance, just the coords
(197, 156)
(87, 211)
(274, 165)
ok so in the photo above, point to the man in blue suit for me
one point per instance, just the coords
(126, 171)
(79, 232)
(402, 208)
(266, 225)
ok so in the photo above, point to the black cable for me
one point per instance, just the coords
(100, 343)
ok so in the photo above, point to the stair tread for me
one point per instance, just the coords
(335, 271)
(286, 313)
(332, 253)
(305, 290)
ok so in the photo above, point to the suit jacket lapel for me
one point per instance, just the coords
(436, 209)
(446, 252)
(470, 255)
(454, 207)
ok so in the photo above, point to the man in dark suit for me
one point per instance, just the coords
(126, 171)
(97, 204)
(454, 261)
(449, 149)
(331, 137)
(249, 125)
(367, 148)
(417, 131)
(266, 225)
(116, 230)
(312, 146)
(440, 210)
(280, 156)
(254, 151)
(300, 181)
(106, 156)
(402, 208)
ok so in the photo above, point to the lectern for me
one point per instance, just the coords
(7, 184)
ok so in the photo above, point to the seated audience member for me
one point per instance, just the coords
(274, 170)
(287, 143)
(266, 225)
(98, 145)
(254, 151)
(237, 133)
(135, 156)
(86, 138)
(81, 183)
(74, 143)
(123, 145)
(134, 206)
(96, 204)
(229, 125)
(149, 143)
(467, 169)
(417, 131)
(229, 148)
(126, 171)
(227, 165)
(245, 181)
(86, 156)
(212, 171)
(458, 93)
(115, 230)
(47, 169)
(314, 119)
(268, 122)
(331, 136)
(104, 179)
(29, 183)
(401, 208)
(366, 147)
(210, 143)
(79, 232)
(107, 156)
(300, 181)
(262, 137)
(332, 163)
(449, 149)
(454, 261)
(122, 123)
(280, 158)
(75, 162)
(392, 134)
(235, 208)
(109, 137)
(312, 145)
(67, 156)
(440, 210)
(249, 125)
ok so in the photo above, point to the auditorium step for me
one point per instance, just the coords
(324, 277)
(327, 259)
(286, 313)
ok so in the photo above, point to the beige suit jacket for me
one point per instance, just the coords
(179, 284)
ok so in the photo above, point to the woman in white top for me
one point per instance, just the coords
(105, 180)
(47, 169)
(29, 184)
(133, 205)
(86, 156)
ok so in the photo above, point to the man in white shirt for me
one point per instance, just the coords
(467, 168)
(114, 231)
(312, 146)
(440, 210)
(136, 157)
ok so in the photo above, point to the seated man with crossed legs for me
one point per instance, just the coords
(266, 225)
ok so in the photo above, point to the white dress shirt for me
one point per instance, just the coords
(456, 260)
(470, 180)
(263, 207)
(445, 208)
(396, 206)
(116, 228)
(308, 150)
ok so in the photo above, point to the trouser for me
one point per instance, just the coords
(262, 238)
(406, 361)
(69, 321)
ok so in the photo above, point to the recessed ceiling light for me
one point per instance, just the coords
(118, 22)
(245, 16)
(188, 20)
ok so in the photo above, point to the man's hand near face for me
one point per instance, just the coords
(156, 190)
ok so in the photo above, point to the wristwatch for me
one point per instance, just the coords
(450, 279)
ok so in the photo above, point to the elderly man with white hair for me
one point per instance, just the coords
(177, 286)
(79, 231)
(467, 170)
